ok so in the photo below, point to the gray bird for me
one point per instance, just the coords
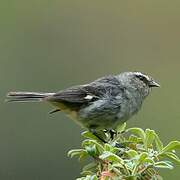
(102, 104)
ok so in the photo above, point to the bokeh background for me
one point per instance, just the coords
(50, 45)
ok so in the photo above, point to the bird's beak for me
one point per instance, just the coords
(153, 84)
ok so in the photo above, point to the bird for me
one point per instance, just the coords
(102, 104)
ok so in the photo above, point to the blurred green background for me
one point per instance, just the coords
(50, 45)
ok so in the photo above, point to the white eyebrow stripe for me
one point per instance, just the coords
(141, 74)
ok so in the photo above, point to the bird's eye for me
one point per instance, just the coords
(142, 78)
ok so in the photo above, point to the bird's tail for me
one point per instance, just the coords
(26, 96)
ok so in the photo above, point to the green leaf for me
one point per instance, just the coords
(164, 164)
(158, 142)
(108, 147)
(116, 170)
(76, 152)
(88, 177)
(142, 157)
(134, 139)
(86, 173)
(91, 150)
(140, 160)
(113, 149)
(111, 157)
(89, 167)
(141, 152)
(83, 155)
(171, 146)
(129, 165)
(149, 160)
(172, 156)
(131, 153)
(121, 128)
(138, 131)
(94, 177)
(89, 135)
(89, 142)
(149, 138)
(117, 165)
(82, 178)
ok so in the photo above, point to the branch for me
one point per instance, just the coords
(132, 154)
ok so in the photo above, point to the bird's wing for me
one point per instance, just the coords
(76, 97)
(78, 94)
(88, 92)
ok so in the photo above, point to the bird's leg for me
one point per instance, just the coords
(112, 133)
(95, 133)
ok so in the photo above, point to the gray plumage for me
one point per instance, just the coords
(102, 104)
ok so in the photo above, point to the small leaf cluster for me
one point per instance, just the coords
(132, 154)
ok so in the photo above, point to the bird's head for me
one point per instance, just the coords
(140, 81)
(145, 79)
